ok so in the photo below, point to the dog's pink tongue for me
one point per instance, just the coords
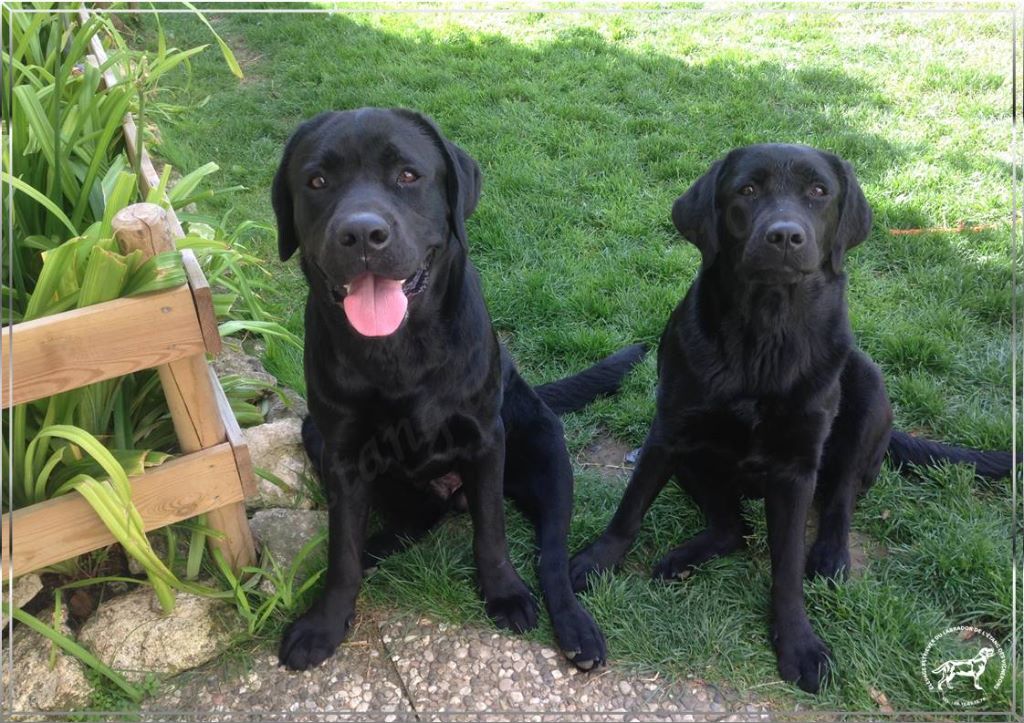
(375, 306)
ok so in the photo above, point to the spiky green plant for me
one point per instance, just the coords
(68, 175)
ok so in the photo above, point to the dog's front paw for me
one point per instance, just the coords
(515, 610)
(580, 638)
(596, 558)
(803, 659)
(828, 560)
(312, 639)
(676, 565)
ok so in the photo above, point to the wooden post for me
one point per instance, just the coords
(188, 386)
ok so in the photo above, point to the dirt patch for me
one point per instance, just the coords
(863, 547)
(606, 456)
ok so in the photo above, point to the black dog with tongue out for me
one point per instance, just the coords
(406, 380)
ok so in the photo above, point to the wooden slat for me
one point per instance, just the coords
(235, 438)
(190, 391)
(198, 423)
(204, 301)
(58, 529)
(69, 350)
(96, 46)
(147, 227)
(237, 547)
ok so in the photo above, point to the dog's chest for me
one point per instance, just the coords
(416, 445)
(753, 441)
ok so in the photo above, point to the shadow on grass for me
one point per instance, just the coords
(575, 135)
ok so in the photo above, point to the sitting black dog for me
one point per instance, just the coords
(762, 392)
(406, 380)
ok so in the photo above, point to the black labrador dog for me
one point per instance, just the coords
(407, 382)
(762, 391)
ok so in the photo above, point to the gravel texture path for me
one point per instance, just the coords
(399, 668)
(359, 683)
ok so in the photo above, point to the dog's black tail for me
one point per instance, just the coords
(573, 393)
(906, 449)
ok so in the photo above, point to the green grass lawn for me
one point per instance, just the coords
(587, 127)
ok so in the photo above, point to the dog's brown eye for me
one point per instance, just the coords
(407, 176)
(317, 182)
(747, 190)
(817, 190)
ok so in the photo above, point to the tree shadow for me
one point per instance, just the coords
(584, 146)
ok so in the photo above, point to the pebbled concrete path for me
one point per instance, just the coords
(405, 668)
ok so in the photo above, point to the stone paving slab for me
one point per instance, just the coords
(408, 668)
(457, 673)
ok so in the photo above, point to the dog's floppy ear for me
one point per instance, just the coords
(854, 222)
(463, 174)
(695, 215)
(281, 192)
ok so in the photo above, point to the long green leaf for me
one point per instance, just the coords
(57, 264)
(229, 57)
(188, 183)
(121, 195)
(104, 277)
(114, 113)
(92, 446)
(263, 328)
(39, 198)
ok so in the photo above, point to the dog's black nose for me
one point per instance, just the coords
(785, 233)
(365, 227)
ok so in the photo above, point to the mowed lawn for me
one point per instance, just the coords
(587, 127)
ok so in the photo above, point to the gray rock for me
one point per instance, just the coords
(276, 448)
(234, 360)
(34, 684)
(131, 634)
(283, 532)
(26, 587)
(293, 405)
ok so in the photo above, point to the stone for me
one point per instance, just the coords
(33, 683)
(275, 408)
(132, 635)
(275, 405)
(276, 447)
(234, 360)
(283, 532)
(26, 587)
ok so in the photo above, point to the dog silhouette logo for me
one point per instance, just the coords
(973, 668)
(959, 678)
